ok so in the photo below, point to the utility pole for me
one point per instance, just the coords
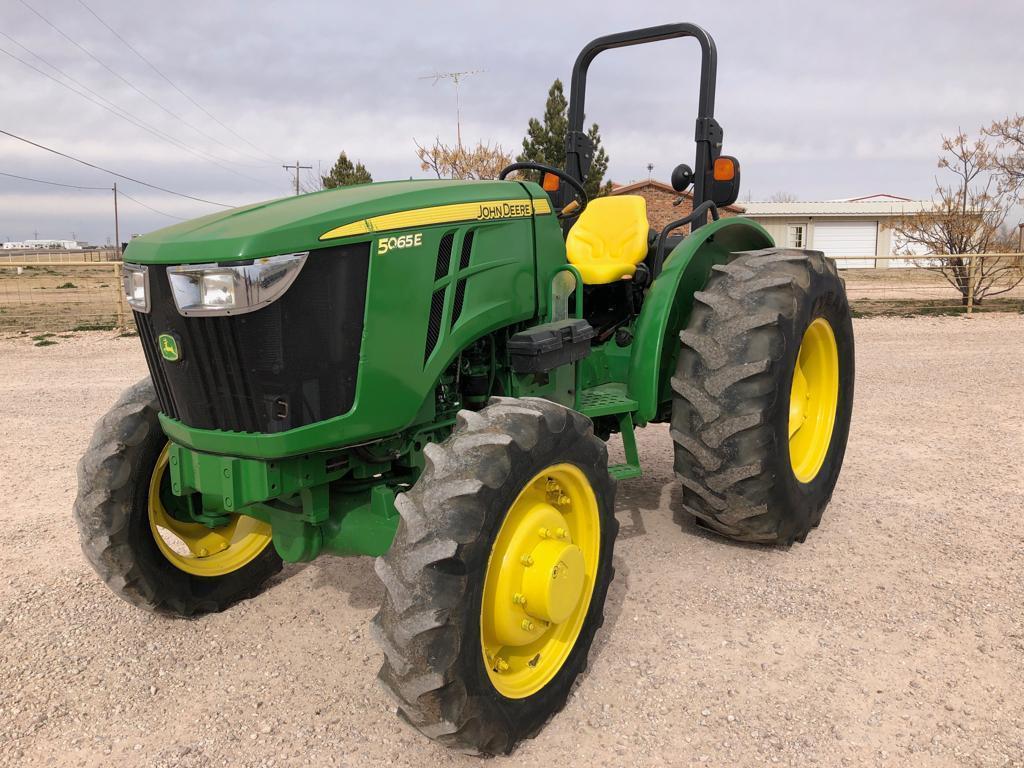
(117, 226)
(1020, 237)
(297, 168)
(650, 170)
(455, 77)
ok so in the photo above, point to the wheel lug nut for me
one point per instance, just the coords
(527, 625)
(543, 533)
(203, 552)
(519, 599)
(559, 533)
(526, 560)
(501, 665)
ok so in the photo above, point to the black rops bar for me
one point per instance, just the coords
(579, 150)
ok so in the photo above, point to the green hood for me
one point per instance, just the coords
(293, 224)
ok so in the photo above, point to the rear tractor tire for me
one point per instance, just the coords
(131, 536)
(763, 395)
(496, 581)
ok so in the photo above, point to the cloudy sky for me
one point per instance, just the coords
(820, 100)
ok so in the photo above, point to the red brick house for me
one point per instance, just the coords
(659, 199)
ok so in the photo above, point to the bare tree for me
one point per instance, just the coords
(484, 161)
(781, 197)
(1008, 157)
(966, 217)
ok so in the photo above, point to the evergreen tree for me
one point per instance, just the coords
(345, 174)
(545, 142)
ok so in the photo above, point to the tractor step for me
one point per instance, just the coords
(612, 400)
(624, 471)
(606, 400)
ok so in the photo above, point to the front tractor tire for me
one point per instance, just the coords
(130, 535)
(497, 578)
(763, 395)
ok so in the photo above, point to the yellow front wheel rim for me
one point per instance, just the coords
(540, 580)
(813, 400)
(198, 549)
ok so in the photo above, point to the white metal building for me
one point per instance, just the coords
(67, 245)
(843, 229)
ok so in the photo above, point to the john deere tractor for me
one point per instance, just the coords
(427, 372)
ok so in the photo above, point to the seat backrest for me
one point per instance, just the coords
(609, 239)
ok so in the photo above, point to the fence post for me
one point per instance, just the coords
(970, 284)
(122, 313)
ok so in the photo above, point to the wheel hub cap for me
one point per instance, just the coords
(539, 581)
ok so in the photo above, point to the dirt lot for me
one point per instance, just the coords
(894, 636)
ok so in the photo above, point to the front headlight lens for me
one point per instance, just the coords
(135, 278)
(216, 289)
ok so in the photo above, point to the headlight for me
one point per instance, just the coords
(215, 289)
(136, 286)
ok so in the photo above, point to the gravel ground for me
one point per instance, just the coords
(894, 636)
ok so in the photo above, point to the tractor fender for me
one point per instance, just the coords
(668, 303)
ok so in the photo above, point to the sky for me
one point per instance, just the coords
(820, 100)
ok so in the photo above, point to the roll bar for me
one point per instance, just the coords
(579, 150)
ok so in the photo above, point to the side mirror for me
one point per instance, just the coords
(725, 181)
(682, 178)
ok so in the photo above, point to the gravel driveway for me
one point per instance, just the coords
(894, 636)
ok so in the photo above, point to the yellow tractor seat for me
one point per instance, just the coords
(609, 239)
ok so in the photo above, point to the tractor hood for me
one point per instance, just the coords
(293, 224)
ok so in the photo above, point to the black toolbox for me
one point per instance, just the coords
(545, 347)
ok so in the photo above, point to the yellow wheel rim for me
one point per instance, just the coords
(199, 549)
(539, 581)
(813, 400)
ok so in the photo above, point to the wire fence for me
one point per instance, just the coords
(78, 291)
(56, 256)
(934, 285)
(57, 296)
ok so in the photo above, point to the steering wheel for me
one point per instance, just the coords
(569, 210)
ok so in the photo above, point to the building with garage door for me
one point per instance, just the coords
(843, 229)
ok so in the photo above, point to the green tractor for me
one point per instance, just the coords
(427, 372)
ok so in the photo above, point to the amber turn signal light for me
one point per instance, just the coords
(725, 169)
(550, 183)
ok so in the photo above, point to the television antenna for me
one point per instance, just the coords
(456, 78)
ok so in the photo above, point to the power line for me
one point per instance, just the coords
(175, 86)
(114, 109)
(112, 173)
(128, 82)
(122, 193)
(52, 183)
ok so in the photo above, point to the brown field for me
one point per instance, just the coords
(57, 297)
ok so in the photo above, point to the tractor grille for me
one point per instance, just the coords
(286, 365)
(460, 288)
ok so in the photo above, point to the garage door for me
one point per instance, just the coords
(841, 239)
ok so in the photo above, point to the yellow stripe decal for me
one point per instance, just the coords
(442, 214)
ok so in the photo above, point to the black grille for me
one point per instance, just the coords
(286, 365)
(460, 288)
(434, 324)
(444, 256)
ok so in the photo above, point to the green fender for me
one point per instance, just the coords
(670, 299)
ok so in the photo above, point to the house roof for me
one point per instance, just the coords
(871, 206)
(636, 186)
